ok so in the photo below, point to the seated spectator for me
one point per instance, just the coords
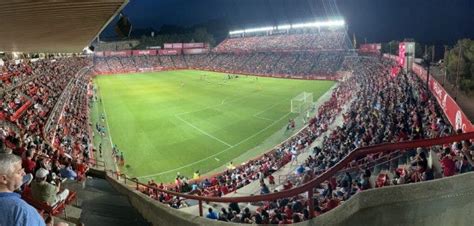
(68, 172)
(224, 215)
(14, 211)
(234, 207)
(211, 215)
(399, 177)
(46, 192)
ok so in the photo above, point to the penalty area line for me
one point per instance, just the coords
(203, 132)
(216, 154)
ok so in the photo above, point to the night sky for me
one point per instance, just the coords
(427, 21)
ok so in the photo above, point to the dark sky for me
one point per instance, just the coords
(427, 21)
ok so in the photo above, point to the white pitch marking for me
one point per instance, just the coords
(218, 153)
(204, 132)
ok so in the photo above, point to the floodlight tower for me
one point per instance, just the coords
(427, 62)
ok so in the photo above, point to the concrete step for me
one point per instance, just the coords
(68, 222)
(102, 205)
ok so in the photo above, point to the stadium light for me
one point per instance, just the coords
(317, 24)
(284, 27)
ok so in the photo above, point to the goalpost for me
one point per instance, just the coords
(302, 102)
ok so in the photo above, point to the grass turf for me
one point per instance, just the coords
(177, 121)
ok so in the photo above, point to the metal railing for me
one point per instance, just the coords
(310, 185)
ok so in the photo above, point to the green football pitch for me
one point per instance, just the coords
(181, 121)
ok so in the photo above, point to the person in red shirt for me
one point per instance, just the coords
(288, 211)
(224, 190)
(28, 162)
(288, 185)
(331, 204)
(448, 163)
(81, 169)
(213, 181)
(271, 179)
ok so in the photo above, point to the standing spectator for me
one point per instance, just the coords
(28, 163)
(14, 211)
(448, 163)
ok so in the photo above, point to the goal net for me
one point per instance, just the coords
(302, 102)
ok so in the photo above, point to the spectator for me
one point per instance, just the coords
(364, 182)
(211, 215)
(46, 192)
(14, 211)
(234, 207)
(68, 172)
(264, 188)
(447, 161)
(224, 216)
(28, 163)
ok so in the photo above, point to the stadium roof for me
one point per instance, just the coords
(56, 26)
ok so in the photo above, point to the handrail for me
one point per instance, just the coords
(308, 187)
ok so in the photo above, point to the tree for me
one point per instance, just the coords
(390, 47)
(460, 61)
(201, 35)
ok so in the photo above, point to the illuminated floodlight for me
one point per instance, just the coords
(237, 32)
(284, 27)
(317, 24)
(260, 29)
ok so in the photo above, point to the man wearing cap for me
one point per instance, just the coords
(46, 192)
(13, 210)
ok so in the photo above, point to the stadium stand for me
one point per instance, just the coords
(283, 64)
(38, 93)
(323, 40)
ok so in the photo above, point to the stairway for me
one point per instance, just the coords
(99, 204)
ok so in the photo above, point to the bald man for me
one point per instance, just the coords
(13, 210)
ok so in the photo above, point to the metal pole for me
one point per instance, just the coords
(200, 208)
(311, 203)
(456, 84)
(446, 58)
(428, 79)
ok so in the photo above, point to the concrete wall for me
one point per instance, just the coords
(158, 213)
(448, 201)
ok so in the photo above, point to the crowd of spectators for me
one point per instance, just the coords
(301, 64)
(12, 73)
(47, 166)
(322, 40)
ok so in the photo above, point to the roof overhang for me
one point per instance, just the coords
(54, 26)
